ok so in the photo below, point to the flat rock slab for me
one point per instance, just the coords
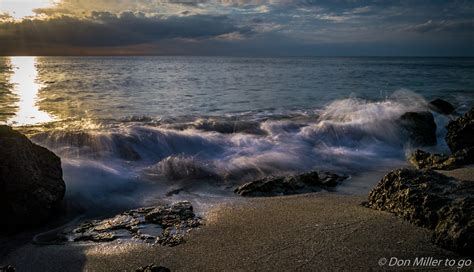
(432, 200)
(164, 225)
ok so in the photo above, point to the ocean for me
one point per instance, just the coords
(131, 129)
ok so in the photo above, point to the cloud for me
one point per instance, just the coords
(102, 29)
(202, 26)
(443, 26)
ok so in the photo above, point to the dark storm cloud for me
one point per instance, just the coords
(280, 27)
(107, 29)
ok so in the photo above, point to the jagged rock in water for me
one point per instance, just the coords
(441, 106)
(295, 184)
(460, 133)
(460, 139)
(424, 160)
(31, 183)
(182, 167)
(430, 200)
(164, 225)
(419, 128)
(153, 268)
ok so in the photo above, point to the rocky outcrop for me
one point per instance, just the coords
(164, 225)
(430, 200)
(296, 184)
(153, 268)
(31, 183)
(460, 132)
(424, 160)
(419, 128)
(441, 106)
(460, 140)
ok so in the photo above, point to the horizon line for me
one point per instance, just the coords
(245, 56)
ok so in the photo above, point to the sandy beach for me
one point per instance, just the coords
(305, 232)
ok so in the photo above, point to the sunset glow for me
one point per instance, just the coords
(24, 79)
(19, 9)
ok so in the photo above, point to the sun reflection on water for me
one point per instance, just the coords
(26, 87)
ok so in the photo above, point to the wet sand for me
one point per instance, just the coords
(314, 232)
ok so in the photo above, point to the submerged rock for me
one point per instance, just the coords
(182, 167)
(295, 184)
(441, 106)
(165, 225)
(419, 128)
(460, 133)
(31, 183)
(430, 200)
(153, 268)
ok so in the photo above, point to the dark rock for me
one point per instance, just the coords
(460, 133)
(153, 268)
(31, 183)
(182, 167)
(424, 160)
(419, 128)
(174, 192)
(170, 239)
(460, 139)
(296, 184)
(170, 215)
(441, 106)
(165, 225)
(228, 126)
(8, 268)
(430, 200)
(96, 237)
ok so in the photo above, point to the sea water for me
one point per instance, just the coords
(131, 129)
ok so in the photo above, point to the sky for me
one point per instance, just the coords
(237, 27)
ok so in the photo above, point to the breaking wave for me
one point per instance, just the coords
(114, 157)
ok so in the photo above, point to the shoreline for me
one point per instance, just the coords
(304, 232)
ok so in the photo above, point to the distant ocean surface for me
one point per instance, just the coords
(130, 129)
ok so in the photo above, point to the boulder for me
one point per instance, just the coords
(460, 133)
(460, 139)
(441, 106)
(419, 128)
(431, 200)
(31, 183)
(287, 185)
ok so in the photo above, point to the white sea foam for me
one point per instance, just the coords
(108, 162)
